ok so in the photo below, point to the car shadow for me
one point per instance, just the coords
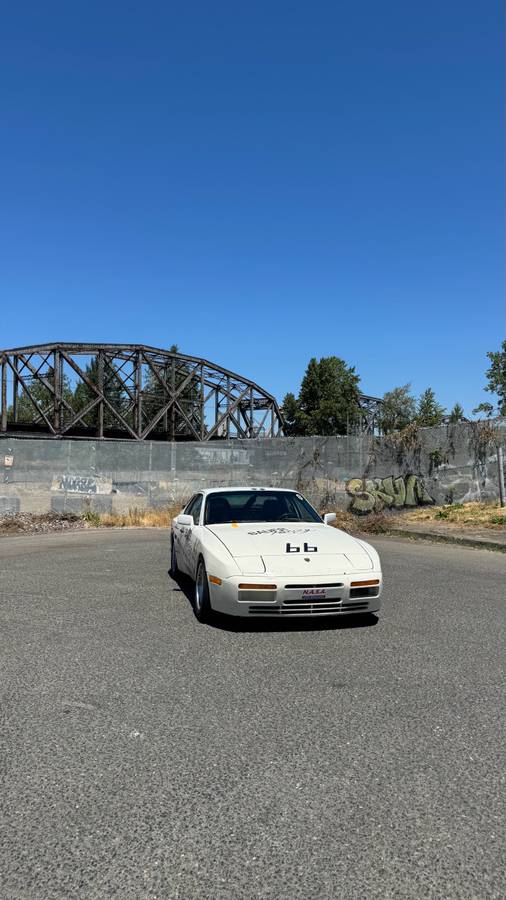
(262, 624)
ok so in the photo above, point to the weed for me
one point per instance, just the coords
(91, 518)
(405, 441)
(374, 523)
(498, 520)
(484, 436)
(437, 458)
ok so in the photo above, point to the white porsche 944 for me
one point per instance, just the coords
(267, 552)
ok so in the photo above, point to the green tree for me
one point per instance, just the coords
(497, 377)
(429, 412)
(292, 415)
(154, 397)
(457, 414)
(486, 408)
(328, 401)
(84, 394)
(43, 397)
(398, 409)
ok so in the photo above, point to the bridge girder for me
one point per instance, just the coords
(129, 391)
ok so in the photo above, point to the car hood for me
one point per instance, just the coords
(291, 549)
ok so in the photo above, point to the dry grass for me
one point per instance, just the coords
(161, 517)
(479, 515)
(158, 517)
(461, 515)
(375, 523)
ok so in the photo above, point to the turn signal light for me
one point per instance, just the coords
(214, 580)
(257, 587)
(364, 583)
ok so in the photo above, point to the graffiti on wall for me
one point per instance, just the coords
(77, 484)
(374, 494)
(81, 484)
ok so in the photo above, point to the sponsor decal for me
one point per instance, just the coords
(280, 531)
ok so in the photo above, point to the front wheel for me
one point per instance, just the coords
(201, 601)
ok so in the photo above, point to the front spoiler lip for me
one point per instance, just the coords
(225, 598)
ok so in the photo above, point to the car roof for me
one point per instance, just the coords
(246, 487)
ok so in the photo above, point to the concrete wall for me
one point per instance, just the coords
(448, 464)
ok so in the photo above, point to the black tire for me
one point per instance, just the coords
(174, 571)
(201, 599)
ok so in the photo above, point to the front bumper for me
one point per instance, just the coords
(323, 595)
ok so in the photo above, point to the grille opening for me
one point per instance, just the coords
(303, 604)
(364, 592)
(256, 596)
(317, 601)
(304, 587)
(311, 609)
(264, 610)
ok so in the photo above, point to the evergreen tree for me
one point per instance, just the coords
(486, 408)
(154, 397)
(44, 398)
(497, 377)
(328, 401)
(457, 414)
(429, 412)
(84, 394)
(398, 409)
(291, 415)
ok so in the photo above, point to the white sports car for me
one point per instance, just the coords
(267, 552)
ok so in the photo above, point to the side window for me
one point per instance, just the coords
(188, 508)
(194, 507)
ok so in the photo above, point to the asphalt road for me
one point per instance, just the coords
(147, 756)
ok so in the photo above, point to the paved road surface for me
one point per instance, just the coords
(147, 756)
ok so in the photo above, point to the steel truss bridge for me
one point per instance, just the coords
(370, 408)
(129, 391)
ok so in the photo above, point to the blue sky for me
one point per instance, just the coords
(259, 183)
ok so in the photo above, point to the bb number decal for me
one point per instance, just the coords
(291, 548)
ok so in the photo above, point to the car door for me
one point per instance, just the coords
(188, 547)
(194, 542)
(179, 536)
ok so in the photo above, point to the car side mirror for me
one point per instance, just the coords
(184, 520)
(329, 517)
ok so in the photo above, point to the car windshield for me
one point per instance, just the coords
(258, 506)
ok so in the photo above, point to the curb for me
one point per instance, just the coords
(474, 543)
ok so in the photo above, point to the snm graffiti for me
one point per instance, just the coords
(374, 494)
